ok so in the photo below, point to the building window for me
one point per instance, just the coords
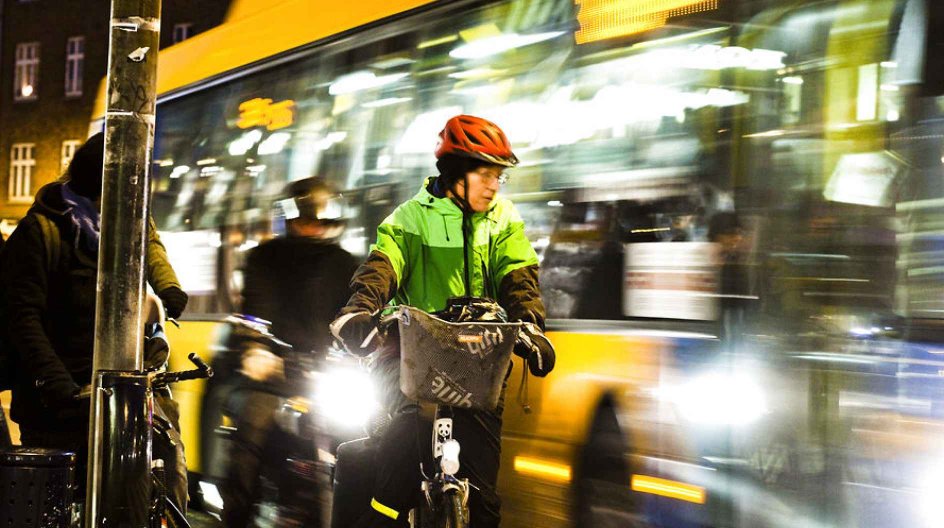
(26, 76)
(75, 59)
(68, 151)
(21, 172)
(182, 31)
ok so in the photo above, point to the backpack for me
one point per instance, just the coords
(50, 234)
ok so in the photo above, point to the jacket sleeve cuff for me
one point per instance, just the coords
(373, 285)
(520, 295)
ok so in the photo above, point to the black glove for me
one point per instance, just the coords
(57, 392)
(175, 300)
(533, 346)
(355, 331)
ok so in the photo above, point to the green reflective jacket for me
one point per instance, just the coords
(422, 239)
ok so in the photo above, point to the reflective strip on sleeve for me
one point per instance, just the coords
(385, 510)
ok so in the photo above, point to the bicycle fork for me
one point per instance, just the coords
(446, 456)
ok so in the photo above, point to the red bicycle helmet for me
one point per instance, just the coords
(474, 137)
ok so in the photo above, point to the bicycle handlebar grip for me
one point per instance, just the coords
(196, 360)
(188, 375)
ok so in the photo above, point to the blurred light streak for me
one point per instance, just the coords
(475, 73)
(437, 42)
(179, 171)
(677, 38)
(542, 468)
(362, 80)
(392, 62)
(668, 488)
(769, 133)
(831, 358)
(494, 45)
(811, 255)
(274, 143)
(244, 143)
(651, 230)
(386, 102)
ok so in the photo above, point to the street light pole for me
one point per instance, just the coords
(119, 449)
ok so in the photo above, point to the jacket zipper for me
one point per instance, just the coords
(445, 228)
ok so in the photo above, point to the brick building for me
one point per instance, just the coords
(53, 55)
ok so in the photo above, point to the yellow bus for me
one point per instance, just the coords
(733, 201)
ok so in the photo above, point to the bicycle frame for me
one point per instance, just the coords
(124, 407)
(446, 495)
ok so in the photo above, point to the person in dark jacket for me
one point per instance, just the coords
(298, 283)
(48, 304)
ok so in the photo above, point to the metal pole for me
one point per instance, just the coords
(129, 138)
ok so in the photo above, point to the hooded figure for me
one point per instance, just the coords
(47, 303)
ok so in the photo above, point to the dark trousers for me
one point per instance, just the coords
(255, 420)
(407, 443)
(258, 447)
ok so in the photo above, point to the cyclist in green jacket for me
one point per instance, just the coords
(418, 260)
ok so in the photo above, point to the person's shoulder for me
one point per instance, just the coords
(265, 249)
(504, 211)
(411, 206)
(29, 225)
(406, 215)
(26, 239)
(341, 255)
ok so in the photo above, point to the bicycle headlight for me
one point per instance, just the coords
(345, 397)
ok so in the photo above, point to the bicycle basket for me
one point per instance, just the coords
(455, 364)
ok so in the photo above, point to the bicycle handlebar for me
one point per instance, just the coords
(162, 379)
(198, 361)
(203, 371)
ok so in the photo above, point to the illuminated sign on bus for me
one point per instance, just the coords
(605, 19)
(261, 112)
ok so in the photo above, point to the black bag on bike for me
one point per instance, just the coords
(354, 475)
(456, 364)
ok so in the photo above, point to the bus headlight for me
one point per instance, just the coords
(719, 398)
(345, 397)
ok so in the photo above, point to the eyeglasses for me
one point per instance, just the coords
(489, 175)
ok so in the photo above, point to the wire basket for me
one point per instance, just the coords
(456, 364)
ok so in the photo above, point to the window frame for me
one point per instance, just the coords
(67, 152)
(26, 70)
(75, 66)
(185, 29)
(19, 188)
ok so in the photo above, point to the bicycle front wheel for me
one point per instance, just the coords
(454, 514)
